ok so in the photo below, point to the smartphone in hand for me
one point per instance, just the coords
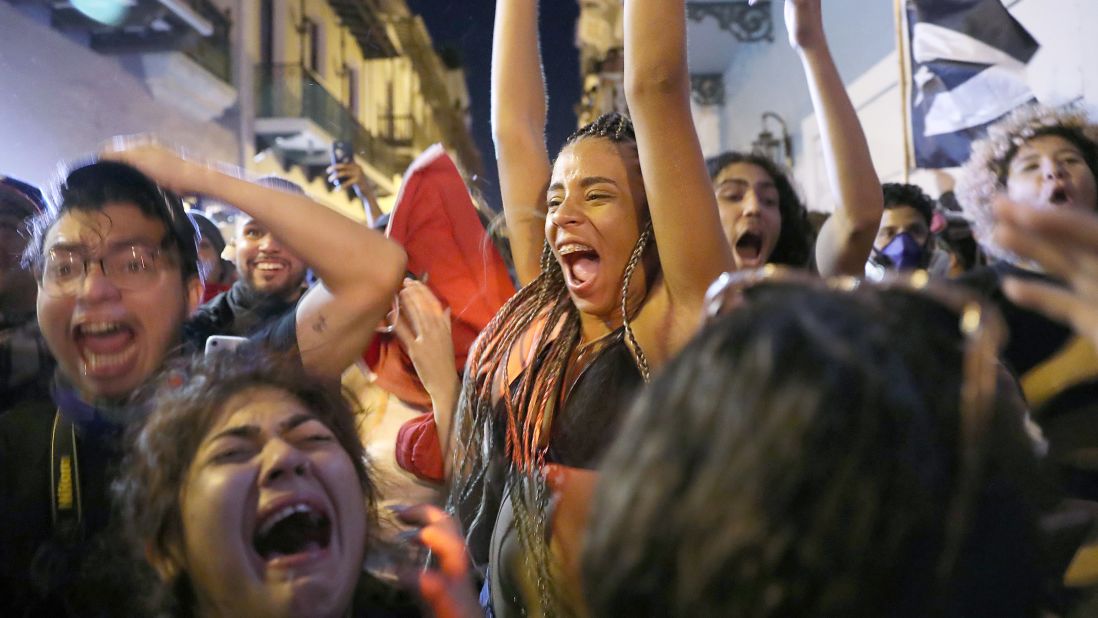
(222, 343)
(342, 152)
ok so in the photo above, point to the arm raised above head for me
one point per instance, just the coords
(692, 248)
(847, 237)
(518, 130)
(360, 269)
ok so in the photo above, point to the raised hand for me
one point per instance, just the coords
(347, 175)
(846, 239)
(423, 328)
(447, 589)
(804, 23)
(165, 166)
(1064, 242)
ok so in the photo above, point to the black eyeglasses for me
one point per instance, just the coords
(127, 267)
(981, 327)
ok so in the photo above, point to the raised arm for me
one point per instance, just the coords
(847, 237)
(359, 268)
(518, 130)
(692, 248)
(424, 330)
(351, 175)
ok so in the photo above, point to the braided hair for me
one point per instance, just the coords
(529, 405)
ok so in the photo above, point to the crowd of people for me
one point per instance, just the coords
(678, 398)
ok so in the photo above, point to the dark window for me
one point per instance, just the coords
(312, 45)
(266, 32)
(352, 89)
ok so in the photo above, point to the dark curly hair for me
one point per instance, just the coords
(900, 194)
(89, 187)
(799, 458)
(188, 400)
(794, 246)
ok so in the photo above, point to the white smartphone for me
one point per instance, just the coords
(223, 343)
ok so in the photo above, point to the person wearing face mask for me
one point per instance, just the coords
(1043, 159)
(904, 240)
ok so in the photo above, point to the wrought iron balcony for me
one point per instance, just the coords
(287, 94)
(747, 22)
(416, 43)
(364, 18)
(398, 129)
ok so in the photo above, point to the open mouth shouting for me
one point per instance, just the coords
(749, 249)
(107, 347)
(581, 265)
(292, 533)
(1059, 196)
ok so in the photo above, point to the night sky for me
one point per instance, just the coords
(467, 25)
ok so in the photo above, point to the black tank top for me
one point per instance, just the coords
(580, 435)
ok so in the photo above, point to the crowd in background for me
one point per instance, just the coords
(676, 396)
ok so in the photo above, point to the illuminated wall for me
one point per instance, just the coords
(61, 100)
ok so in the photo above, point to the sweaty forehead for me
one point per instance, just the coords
(114, 224)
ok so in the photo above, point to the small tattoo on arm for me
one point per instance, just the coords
(320, 325)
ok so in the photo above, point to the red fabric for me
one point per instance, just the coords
(435, 221)
(417, 449)
(209, 290)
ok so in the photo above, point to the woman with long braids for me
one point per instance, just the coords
(614, 268)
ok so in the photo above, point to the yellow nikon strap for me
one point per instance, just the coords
(65, 480)
(1074, 363)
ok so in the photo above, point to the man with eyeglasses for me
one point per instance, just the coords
(117, 268)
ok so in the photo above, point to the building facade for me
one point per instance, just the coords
(743, 69)
(267, 84)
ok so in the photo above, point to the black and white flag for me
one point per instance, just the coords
(968, 68)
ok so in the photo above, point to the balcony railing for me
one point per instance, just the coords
(417, 46)
(398, 129)
(292, 91)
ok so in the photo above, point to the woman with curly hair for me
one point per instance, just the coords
(1044, 159)
(616, 242)
(763, 218)
(1039, 156)
(247, 491)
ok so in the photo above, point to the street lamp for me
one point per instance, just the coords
(777, 149)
